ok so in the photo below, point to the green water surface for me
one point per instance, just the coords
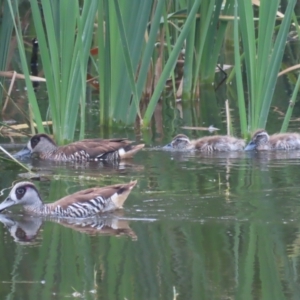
(203, 226)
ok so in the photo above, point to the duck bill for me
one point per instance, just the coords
(168, 147)
(6, 203)
(251, 146)
(25, 152)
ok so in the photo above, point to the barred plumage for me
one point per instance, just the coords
(206, 144)
(85, 150)
(82, 204)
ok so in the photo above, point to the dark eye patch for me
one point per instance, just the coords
(34, 141)
(20, 192)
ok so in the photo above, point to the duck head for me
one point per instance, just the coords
(179, 142)
(23, 193)
(260, 137)
(39, 143)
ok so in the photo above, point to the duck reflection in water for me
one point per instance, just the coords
(105, 167)
(25, 229)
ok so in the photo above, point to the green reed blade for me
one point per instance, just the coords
(30, 91)
(249, 47)
(50, 59)
(289, 112)
(205, 38)
(266, 24)
(292, 102)
(15, 160)
(275, 61)
(64, 57)
(239, 80)
(77, 82)
(7, 26)
(218, 34)
(135, 23)
(169, 45)
(170, 63)
(189, 57)
(147, 55)
(120, 56)
(104, 57)
(127, 58)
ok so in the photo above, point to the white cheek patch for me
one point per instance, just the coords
(29, 145)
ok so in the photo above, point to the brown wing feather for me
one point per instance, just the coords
(117, 140)
(88, 194)
(95, 147)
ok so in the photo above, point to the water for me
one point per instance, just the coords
(203, 226)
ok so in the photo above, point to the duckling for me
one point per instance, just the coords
(282, 141)
(81, 204)
(206, 144)
(84, 150)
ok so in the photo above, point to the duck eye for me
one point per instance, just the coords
(34, 141)
(21, 191)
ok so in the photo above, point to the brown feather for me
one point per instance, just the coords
(106, 192)
(95, 147)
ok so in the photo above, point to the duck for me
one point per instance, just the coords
(261, 141)
(82, 204)
(206, 144)
(85, 150)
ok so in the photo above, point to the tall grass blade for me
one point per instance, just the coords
(239, 79)
(50, 59)
(127, 58)
(249, 47)
(267, 19)
(147, 55)
(15, 160)
(189, 56)
(14, 11)
(275, 61)
(170, 63)
(104, 62)
(7, 26)
(64, 57)
(121, 35)
(289, 112)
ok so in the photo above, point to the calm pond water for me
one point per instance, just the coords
(218, 226)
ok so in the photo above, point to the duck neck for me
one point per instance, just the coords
(37, 208)
(51, 148)
(48, 152)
